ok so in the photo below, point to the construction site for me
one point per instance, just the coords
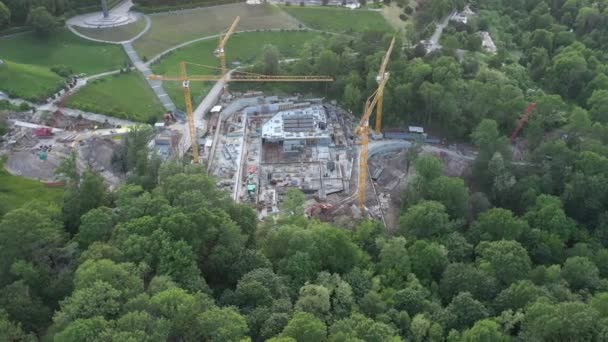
(256, 146)
(271, 144)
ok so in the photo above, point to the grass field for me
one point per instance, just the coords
(243, 47)
(124, 96)
(339, 20)
(29, 82)
(391, 15)
(63, 48)
(170, 29)
(15, 191)
(114, 34)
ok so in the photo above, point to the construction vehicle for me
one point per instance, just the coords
(237, 76)
(363, 129)
(169, 118)
(47, 132)
(522, 121)
(43, 132)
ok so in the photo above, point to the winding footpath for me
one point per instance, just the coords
(144, 67)
(124, 9)
(211, 97)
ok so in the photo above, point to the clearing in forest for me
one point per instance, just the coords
(173, 28)
(246, 48)
(125, 96)
(339, 20)
(63, 48)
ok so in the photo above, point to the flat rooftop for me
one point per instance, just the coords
(306, 123)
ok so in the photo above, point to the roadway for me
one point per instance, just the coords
(434, 40)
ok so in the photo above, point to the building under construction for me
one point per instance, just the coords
(296, 129)
(303, 148)
(281, 143)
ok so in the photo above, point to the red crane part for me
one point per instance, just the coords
(522, 121)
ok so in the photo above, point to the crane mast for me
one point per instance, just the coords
(247, 77)
(521, 122)
(190, 111)
(382, 75)
(363, 129)
(241, 76)
(220, 52)
(363, 132)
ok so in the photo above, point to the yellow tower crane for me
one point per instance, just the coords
(220, 52)
(363, 128)
(382, 75)
(239, 77)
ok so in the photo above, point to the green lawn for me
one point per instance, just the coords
(124, 96)
(63, 48)
(15, 191)
(170, 29)
(243, 47)
(29, 82)
(391, 14)
(114, 34)
(339, 20)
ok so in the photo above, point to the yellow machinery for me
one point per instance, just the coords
(382, 75)
(363, 128)
(241, 77)
(220, 52)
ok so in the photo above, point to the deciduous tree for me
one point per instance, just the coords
(42, 21)
(424, 220)
(5, 15)
(305, 327)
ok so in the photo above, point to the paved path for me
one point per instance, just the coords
(124, 9)
(157, 86)
(434, 40)
(140, 15)
(184, 44)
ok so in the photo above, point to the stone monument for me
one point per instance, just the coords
(104, 8)
(119, 16)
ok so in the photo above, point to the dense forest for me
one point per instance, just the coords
(549, 53)
(516, 251)
(170, 257)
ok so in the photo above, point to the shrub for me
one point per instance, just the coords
(402, 17)
(408, 10)
(62, 70)
(24, 107)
